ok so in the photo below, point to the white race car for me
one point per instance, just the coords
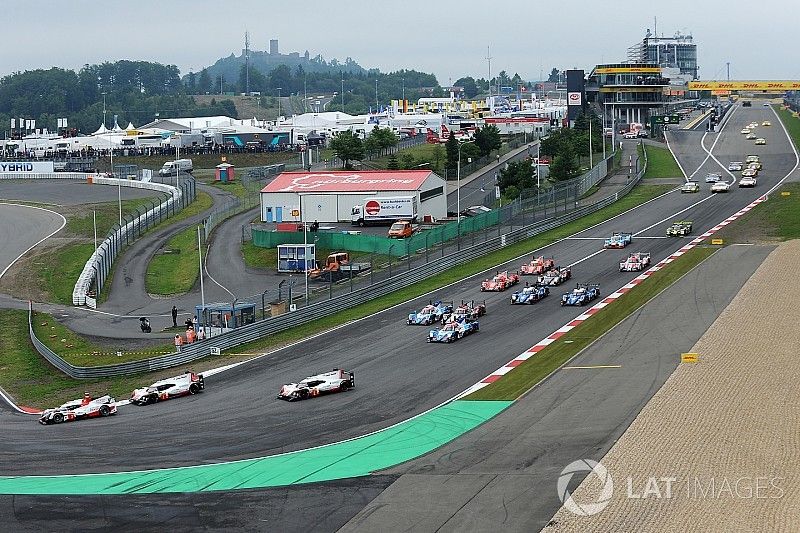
(636, 262)
(79, 409)
(735, 166)
(721, 186)
(335, 381)
(165, 389)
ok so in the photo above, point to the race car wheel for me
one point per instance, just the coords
(303, 394)
(58, 418)
(194, 388)
(151, 399)
(105, 410)
(344, 386)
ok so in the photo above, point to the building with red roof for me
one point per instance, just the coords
(329, 196)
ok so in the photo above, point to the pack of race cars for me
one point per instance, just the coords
(453, 322)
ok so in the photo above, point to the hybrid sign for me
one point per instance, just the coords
(26, 167)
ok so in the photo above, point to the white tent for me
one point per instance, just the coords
(130, 127)
(101, 130)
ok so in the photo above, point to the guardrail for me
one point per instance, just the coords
(324, 308)
(98, 266)
(43, 176)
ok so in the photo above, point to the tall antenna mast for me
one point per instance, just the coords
(247, 62)
(489, 60)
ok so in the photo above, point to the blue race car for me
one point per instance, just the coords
(582, 294)
(429, 314)
(618, 240)
(453, 331)
(530, 295)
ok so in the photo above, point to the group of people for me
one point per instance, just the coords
(193, 333)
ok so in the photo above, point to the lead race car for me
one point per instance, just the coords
(166, 389)
(680, 228)
(530, 294)
(433, 312)
(636, 262)
(500, 282)
(618, 240)
(466, 311)
(554, 277)
(337, 380)
(80, 409)
(452, 331)
(582, 294)
(538, 265)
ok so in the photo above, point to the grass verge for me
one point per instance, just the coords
(791, 123)
(30, 379)
(107, 216)
(257, 257)
(174, 269)
(201, 161)
(57, 271)
(79, 350)
(660, 163)
(534, 370)
(639, 195)
(775, 219)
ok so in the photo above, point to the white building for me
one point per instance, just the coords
(330, 196)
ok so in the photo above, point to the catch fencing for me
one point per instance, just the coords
(98, 267)
(315, 311)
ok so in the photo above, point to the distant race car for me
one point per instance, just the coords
(554, 277)
(751, 137)
(761, 140)
(752, 159)
(530, 294)
(452, 331)
(538, 265)
(582, 294)
(429, 314)
(465, 311)
(721, 186)
(680, 228)
(749, 173)
(335, 381)
(713, 177)
(747, 181)
(766, 123)
(745, 131)
(690, 186)
(755, 165)
(636, 262)
(80, 409)
(500, 282)
(735, 166)
(166, 389)
(618, 240)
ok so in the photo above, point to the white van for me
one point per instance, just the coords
(170, 168)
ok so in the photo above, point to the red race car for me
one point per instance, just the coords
(500, 282)
(537, 266)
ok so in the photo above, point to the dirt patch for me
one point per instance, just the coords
(716, 449)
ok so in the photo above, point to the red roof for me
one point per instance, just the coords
(349, 181)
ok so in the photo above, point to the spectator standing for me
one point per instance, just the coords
(174, 317)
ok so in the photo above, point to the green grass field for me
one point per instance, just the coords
(535, 369)
(257, 257)
(57, 271)
(175, 267)
(660, 163)
(204, 161)
(791, 123)
(107, 216)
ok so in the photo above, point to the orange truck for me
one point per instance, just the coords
(401, 229)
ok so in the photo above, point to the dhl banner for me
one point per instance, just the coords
(744, 85)
(628, 70)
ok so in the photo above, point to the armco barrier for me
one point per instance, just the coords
(98, 266)
(318, 310)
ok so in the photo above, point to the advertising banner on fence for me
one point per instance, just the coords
(25, 167)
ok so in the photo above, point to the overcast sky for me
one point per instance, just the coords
(448, 38)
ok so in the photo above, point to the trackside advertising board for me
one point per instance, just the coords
(26, 167)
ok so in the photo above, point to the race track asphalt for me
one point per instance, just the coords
(397, 373)
(21, 227)
(66, 192)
